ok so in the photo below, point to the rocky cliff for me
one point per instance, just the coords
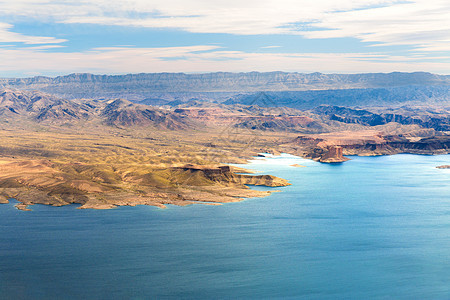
(333, 154)
(330, 147)
(436, 117)
(160, 88)
(225, 175)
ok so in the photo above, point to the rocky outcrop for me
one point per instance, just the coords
(443, 167)
(224, 175)
(333, 154)
(427, 117)
(23, 207)
(331, 147)
(329, 154)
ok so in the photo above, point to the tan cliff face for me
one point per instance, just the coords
(331, 147)
(333, 154)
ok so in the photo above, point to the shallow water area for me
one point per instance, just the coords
(369, 228)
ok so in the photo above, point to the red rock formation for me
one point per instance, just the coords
(333, 154)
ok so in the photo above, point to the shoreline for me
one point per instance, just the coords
(196, 184)
(234, 194)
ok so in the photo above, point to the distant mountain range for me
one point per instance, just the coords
(392, 96)
(176, 88)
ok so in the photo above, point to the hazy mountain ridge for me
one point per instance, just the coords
(154, 87)
(394, 96)
(425, 117)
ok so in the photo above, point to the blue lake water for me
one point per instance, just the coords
(371, 228)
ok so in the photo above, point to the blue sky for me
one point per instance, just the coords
(46, 37)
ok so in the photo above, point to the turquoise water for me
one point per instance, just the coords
(371, 228)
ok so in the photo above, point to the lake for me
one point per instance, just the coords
(369, 228)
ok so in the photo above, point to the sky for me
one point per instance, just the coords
(58, 37)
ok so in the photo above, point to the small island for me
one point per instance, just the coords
(443, 167)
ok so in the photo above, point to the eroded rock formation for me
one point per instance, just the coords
(334, 154)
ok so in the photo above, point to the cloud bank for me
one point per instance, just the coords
(421, 27)
(205, 58)
(417, 22)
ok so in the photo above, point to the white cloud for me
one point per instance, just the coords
(7, 36)
(414, 22)
(205, 58)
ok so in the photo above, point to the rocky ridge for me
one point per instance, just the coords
(158, 88)
(331, 147)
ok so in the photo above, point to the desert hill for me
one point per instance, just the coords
(121, 112)
(40, 107)
(45, 108)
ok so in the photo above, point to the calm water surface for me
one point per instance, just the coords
(371, 228)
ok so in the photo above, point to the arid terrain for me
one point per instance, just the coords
(119, 153)
(107, 153)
